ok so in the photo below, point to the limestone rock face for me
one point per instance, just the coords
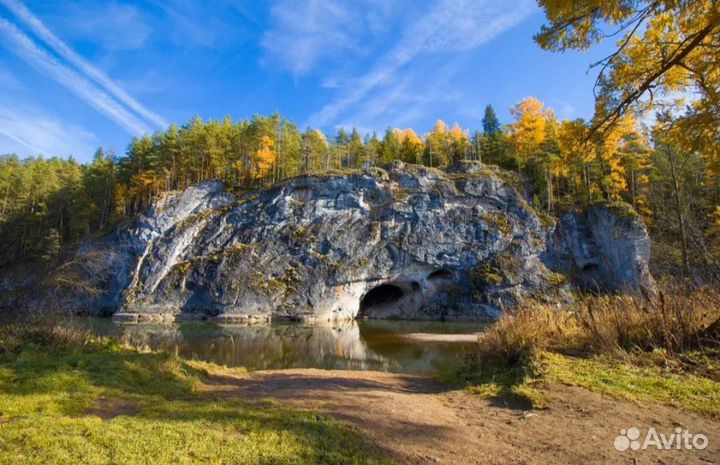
(111, 263)
(409, 242)
(605, 248)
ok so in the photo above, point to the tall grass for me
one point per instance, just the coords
(51, 335)
(598, 340)
(676, 322)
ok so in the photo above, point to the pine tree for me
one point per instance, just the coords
(342, 148)
(317, 156)
(491, 125)
(374, 150)
(528, 133)
(390, 146)
(459, 144)
(578, 153)
(264, 159)
(411, 146)
(356, 150)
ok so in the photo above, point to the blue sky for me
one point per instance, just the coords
(77, 75)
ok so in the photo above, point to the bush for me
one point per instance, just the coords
(512, 340)
(505, 362)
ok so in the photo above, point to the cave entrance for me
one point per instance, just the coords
(591, 278)
(380, 295)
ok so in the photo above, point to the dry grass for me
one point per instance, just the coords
(679, 329)
(609, 325)
(25, 334)
(676, 322)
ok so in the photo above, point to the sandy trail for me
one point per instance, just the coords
(419, 421)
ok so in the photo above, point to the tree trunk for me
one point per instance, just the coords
(679, 214)
(548, 177)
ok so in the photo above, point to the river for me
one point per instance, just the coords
(363, 345)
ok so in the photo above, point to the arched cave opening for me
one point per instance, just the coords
(590, 278)
(590, 267)
(442, 273)
(380, 295)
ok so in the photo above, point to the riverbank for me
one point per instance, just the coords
(65, 399)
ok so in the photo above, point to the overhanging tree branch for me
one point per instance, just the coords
(691, 43)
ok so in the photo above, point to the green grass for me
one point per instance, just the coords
(51, 404)
(513, 385)
(632, 379)
(656, 351)
(510, 386)
(635, 382)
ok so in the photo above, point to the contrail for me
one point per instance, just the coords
(62, 49)
(86, 90)
(19, 140)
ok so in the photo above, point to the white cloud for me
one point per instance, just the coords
(22, 45)
(461, 25)
(305, 32)
(57, 45)
(187, 30)
(148, 81)
(29, 131)
(220, 24)
(409, 99)
(114, 26)
(566, 110)
(452, 26)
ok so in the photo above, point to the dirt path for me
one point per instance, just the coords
(418, 421)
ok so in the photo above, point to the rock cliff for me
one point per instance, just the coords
(406, 242)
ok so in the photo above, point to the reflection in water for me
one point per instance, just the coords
(369, 345)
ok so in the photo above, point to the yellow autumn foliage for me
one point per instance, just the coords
(265, 158)
(527, 133)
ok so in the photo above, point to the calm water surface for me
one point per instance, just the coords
(364, 345)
